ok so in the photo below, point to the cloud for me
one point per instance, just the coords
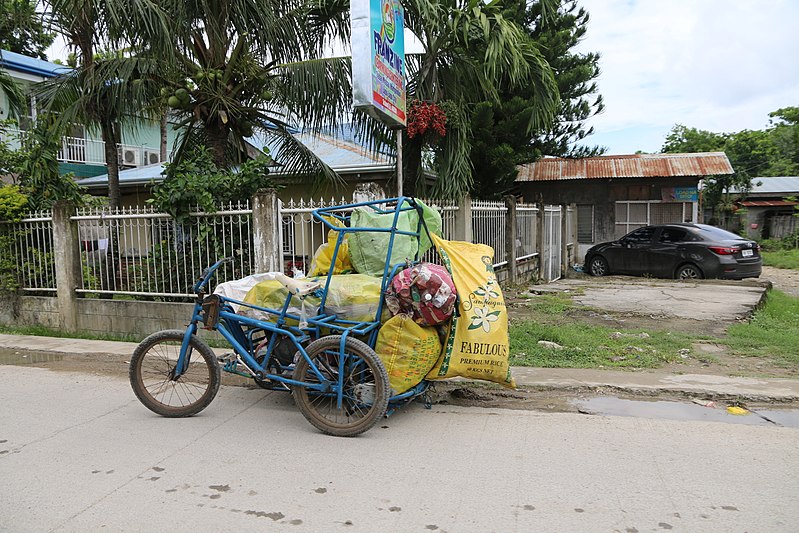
(719, 65)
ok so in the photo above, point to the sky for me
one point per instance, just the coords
(717, 65)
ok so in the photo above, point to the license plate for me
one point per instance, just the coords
(747, 253)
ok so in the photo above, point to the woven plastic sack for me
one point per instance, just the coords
(350, 296)
(477, 344)
(408, 351)
(323, 257)
(425, 291)
(369, 249)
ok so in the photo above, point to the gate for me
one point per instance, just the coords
(551, 264)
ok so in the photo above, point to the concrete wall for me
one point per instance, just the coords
(602, 194)
(101, 317)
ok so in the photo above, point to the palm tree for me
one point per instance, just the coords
(229, 68)
(14, 96)
(99, 92)
(470, 52)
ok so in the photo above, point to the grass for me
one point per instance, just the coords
(773, 331)
(782, 259)
(41, 331)
(585, 346)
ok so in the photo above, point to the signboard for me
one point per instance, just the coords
(378, 59)
(679, 194)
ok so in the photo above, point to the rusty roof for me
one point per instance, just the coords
(626, 166)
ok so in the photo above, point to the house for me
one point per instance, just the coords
(360, 169)
(617, 194)
(82, 151)
(365, 175)
(767, 211)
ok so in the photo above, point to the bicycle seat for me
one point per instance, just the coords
(298, 287)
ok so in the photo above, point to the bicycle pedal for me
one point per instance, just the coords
(226, 358)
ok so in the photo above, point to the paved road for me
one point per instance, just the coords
(79, 453)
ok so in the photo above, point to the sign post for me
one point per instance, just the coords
(378, 65)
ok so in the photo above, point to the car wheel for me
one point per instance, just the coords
(689, 271)
(598, 266)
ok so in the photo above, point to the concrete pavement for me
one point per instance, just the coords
(79, 453)
(639, 382)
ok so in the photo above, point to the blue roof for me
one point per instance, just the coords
(31, 65)
(131, 176)
(342, 156)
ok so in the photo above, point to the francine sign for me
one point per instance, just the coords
(378, 59)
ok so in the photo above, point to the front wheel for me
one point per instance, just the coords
(598, 266)
(689, 271)
(364, 384)
(154, 380)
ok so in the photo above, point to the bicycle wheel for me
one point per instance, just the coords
(152, 375)
(364, 382)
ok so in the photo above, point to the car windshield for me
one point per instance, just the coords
(712, 233)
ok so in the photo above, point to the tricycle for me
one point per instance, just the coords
(326, 361)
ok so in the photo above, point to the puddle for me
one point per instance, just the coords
(610, 405)
(17, 357)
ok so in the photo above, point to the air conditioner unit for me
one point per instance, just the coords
(129, 156)
(152, 157)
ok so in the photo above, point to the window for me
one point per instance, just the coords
(640, 236)
(673, 235)
(585, 224)
(638, 213)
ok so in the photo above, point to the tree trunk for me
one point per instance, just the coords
(109, 132)
(162, 157)
(217, 140)
(412, 164)
(111, 137)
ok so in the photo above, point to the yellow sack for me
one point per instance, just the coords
(350, 296)
(320, 264)
(477, 345)
(408, 351)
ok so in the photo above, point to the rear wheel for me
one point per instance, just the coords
(689, 271)
(598, 266)
(364, 383)
(153, 379)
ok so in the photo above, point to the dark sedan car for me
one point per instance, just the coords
(682, 251)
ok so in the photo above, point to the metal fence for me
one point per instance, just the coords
(29, 244)
(141, 253)
(488, 227)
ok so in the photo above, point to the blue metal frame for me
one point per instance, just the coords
(238, 330)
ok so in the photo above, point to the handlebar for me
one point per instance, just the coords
(205, 277)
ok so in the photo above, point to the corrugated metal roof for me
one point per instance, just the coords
(626, 166)
(31, 65)
(767, 203)
(342, 156)
(781, 185)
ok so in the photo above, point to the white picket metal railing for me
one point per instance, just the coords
(142, 253)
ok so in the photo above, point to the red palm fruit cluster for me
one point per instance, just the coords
(426, 116)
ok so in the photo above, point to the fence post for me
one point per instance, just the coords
(511, 230)
(573, 234)
(463, 220)
(564, 240)
(540, 239)
(68, 271)
(267, 233)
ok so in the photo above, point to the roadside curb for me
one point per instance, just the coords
(576, 380)
(713, 387)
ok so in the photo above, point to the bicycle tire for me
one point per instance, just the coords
(366, 388)
(151, 375)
